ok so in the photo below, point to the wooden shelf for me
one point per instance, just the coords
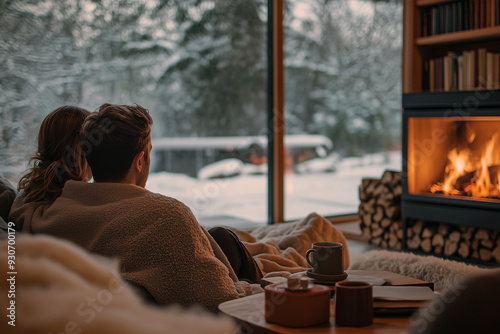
(460, 37)
(417, 50)
(432, 100)
(426, 3)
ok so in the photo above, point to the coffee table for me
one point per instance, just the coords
(249, 312)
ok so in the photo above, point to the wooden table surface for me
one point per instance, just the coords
(249, 311)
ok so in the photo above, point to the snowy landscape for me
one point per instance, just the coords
(244, 197)
(200, 67)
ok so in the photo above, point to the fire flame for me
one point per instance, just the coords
(467, 175)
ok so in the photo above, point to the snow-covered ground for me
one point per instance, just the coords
(244, 197)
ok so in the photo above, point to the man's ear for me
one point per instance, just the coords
(138, 163)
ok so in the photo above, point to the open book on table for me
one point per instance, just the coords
(401, 296)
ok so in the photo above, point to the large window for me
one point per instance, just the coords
(342, 81)
(201, 68)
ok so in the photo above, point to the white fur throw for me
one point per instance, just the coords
(443, 273)
(61, 288)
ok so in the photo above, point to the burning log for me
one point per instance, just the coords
(468, 178)
(465, 185)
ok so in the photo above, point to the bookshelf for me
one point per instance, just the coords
(470, 34)
(472, 26)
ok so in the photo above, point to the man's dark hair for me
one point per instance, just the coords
(112, 136)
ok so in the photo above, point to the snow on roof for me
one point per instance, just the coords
(145, 45)
(237, 142)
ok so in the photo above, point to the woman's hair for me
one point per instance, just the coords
(59, 156)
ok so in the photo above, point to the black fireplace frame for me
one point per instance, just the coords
(447, 209)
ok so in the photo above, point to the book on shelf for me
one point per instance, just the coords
(484, 9)
(460, 73)
(432, 72)
(425, 76)
(472, 70)
(496, 71)
(441, 23)
(453, 70)
(481, 68)
(462, 70)
(446, 73)
(489, 7)
(489, 74)
(448, 22)
(477, 15)
(459, 15)
(460, 21)
(497, 12)
(493, 13)
(466, 70)
(438, 74)
(471, 14)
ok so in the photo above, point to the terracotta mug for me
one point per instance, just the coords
(353, 303)
(326, 258)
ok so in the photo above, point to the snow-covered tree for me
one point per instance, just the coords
(221, 67)
(200, 67)
(343, 72)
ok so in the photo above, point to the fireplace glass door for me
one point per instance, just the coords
(454, 157)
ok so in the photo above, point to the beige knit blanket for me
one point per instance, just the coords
(282, 247)
(158, 241)
(60, 288)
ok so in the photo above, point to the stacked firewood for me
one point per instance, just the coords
(460, 241)
(380, 210)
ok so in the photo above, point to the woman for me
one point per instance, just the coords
(59, 158)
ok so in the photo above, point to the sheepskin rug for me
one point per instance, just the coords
(61, 288)
(443, 273)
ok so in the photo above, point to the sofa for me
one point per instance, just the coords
(59, 277)
(7, 196)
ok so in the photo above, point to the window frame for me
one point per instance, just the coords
(276, 119)
(275, 112)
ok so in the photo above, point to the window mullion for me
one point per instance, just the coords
(276, 118)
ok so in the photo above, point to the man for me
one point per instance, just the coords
(162, 249)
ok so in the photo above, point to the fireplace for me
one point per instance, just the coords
(451, 160)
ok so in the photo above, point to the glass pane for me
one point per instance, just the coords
(455, 157)
(199, 67)
(342, 82)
